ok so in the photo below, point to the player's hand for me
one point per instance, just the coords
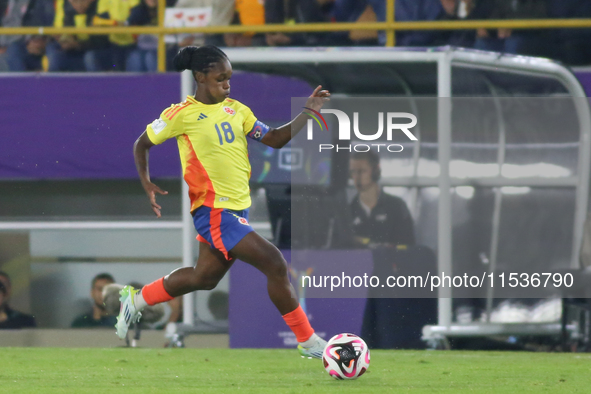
(151, 190)
(318, 98)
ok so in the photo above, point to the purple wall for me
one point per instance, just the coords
(83, 126)
(584, 78)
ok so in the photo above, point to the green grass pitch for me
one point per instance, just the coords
(120, 370)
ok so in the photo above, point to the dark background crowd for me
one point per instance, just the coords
(126, 52)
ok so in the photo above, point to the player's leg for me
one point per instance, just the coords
(263, 255)
(210, 269)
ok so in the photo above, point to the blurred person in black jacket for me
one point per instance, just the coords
(10, 318)
(97, 316)
(378, 218)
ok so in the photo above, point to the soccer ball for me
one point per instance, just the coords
(345, 356)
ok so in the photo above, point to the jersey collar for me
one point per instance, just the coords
(192, 100)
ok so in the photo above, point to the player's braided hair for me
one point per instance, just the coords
(198, 59)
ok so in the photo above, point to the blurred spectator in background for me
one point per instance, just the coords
(365, 37)
(405, 10)
(144, 57)
(25, 53)
(139, 54)
(571, 46)
(296, 11)
(68, 52)
(464, 10)
(379, 219)
(3, 63)
(354, 11)
(247, 13)
(523, 42)
(114, 55)
(4, 40)
(97, 317)
(9, 318)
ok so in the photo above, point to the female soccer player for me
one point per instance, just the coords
(211, 132)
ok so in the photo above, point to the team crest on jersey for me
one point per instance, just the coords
(229, 111)
(243, 221)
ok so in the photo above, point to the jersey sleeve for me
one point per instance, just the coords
(167, 126)
(254, 128)
(249, 119)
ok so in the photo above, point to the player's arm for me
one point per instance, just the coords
(277, 138)
(141, 154)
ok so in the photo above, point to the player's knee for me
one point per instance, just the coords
(277, 267)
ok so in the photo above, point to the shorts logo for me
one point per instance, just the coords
(243, 221)
(229, 111)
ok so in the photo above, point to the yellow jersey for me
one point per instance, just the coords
(212, 145)
(109, 12)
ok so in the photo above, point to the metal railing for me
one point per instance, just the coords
(390, 27)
